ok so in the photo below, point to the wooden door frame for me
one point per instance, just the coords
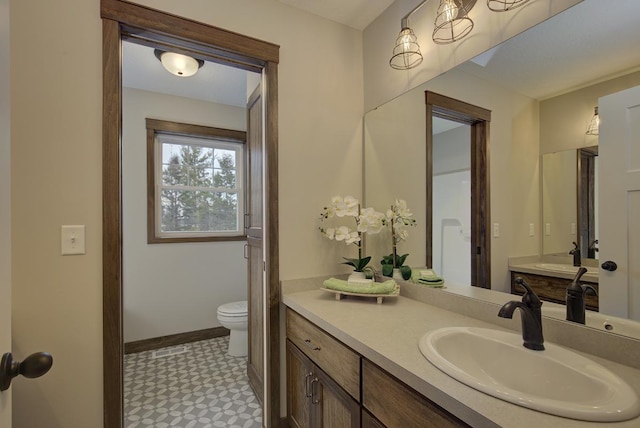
(478, 119)
(153, 27)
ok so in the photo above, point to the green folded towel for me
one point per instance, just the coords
(375, 288)
(426, 277)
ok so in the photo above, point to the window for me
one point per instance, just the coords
(195, 183)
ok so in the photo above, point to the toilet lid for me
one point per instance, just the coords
(234, 308)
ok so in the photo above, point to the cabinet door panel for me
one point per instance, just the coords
(337, 408)
(299, 372)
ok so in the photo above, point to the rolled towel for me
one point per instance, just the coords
(427, 277)
(375, 288)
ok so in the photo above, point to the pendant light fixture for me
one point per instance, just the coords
(504, 5)
(594, 123)
(452, 21)
(178, 64)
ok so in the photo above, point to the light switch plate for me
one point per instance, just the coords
(72, 240)
(496, 230)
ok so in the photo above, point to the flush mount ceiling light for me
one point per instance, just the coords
(452, 21)
(594, 123)
(178, 64)
(504, 5)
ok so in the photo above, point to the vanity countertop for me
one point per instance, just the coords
(534, 268)
(387, 334)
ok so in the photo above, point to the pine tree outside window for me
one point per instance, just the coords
(195, 183)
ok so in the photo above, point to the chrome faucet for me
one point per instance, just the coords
(576, 255)
(575, 298)
(530, 316)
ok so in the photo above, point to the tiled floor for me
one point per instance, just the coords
(201, 388)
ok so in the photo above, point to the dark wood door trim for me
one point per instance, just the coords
(478, 119)
(120, 19)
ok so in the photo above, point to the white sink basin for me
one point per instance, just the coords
(555, 381)
(557, 267)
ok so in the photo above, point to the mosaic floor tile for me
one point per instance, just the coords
(201, 388)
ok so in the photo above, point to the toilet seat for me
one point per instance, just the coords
(234, 309)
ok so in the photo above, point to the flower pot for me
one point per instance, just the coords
(356, 275)
(397, 275)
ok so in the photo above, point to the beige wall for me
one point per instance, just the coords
(57, 109)
(564, 119)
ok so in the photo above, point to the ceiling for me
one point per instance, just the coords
(353, 13)
(553, 56)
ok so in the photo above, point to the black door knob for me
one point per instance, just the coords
(35, 365)
(609, 265)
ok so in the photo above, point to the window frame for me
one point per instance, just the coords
(157, 127)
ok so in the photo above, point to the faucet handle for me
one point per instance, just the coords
(530, 298)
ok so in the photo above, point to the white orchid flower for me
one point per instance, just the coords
(342, 233)
(330, 232)
(352, 238)
(371, 221)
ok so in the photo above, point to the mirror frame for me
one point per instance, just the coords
(478, 119)
(124, 19)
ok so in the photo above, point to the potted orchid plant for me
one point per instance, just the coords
(398, 218)
(367, 220)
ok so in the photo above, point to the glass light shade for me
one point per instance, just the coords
(452, 22)
(504, 5)
(594, 123)
(180, 65)
(406, 53)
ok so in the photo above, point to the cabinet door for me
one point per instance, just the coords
(299, 378)
(334, 408)
(369, 421)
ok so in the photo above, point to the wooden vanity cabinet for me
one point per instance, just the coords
(551, 289)
(326, 380)
(394, 404)
(313, 398)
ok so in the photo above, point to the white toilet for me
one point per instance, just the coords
(235, 316)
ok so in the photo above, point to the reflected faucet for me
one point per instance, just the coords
(575, 298)
(530, 316)
(593, 249)
(576, 255)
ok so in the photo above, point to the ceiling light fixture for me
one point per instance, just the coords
(178, 64)
(504, 5)
(594, 123)
(452, 21)
(406, 52)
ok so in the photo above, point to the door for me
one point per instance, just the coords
(5, 207)
(619, 206)
(254, 230)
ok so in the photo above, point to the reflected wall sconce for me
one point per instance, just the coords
(178, 64)
(504, 5)
(594, 123)
(452, 21)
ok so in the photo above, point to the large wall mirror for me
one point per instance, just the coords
(541, 88)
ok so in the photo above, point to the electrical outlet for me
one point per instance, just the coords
(531, 229)
(496, 230)
(573, 228)
(547, 229)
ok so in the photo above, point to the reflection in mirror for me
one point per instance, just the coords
(451, 200)
(541, 87)
(588, 201)
(559, 202)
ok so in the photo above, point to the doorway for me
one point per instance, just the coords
(478, 119)
(158, 29)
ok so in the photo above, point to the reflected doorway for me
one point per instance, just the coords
(477, 120)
